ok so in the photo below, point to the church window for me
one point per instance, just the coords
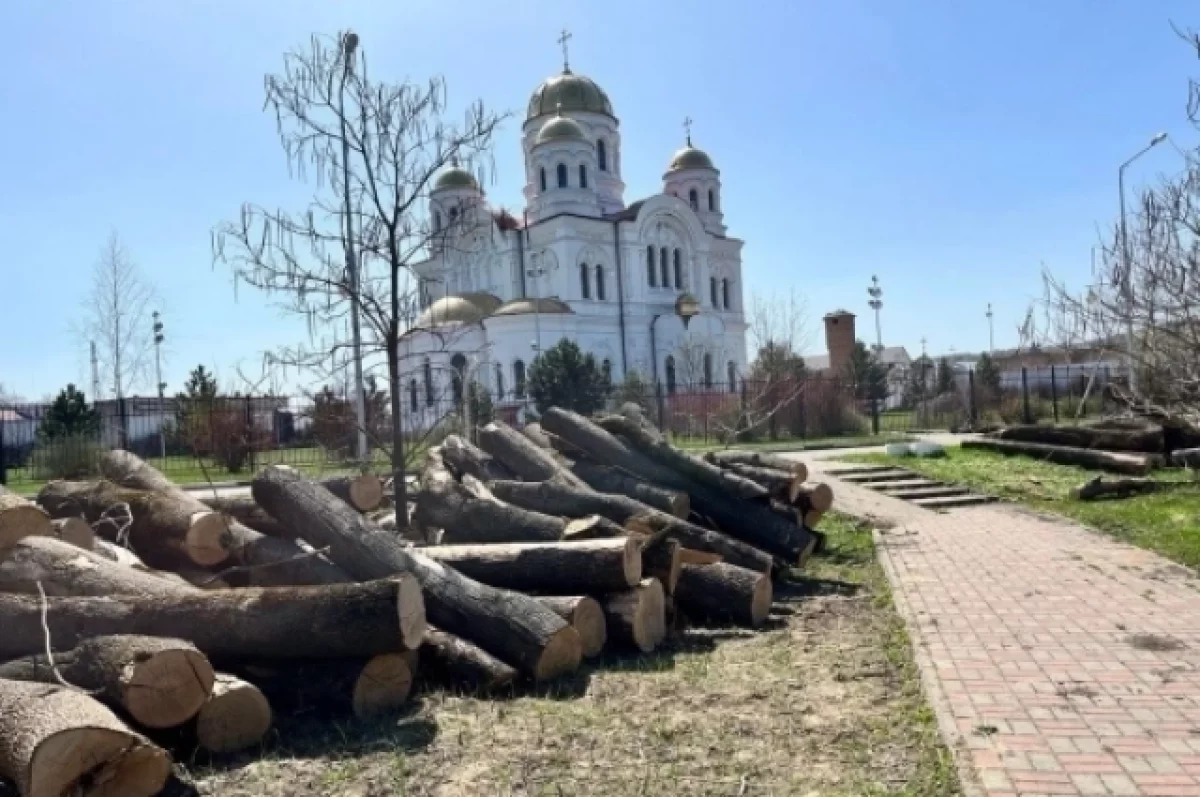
(600, 283)
(459, 364)
(606, 370)
(708, 374)
(437, 221)
(582, 176)
(542, 172)
(412, 395)
(694, 199)
(499, 382)
(712, 290)
(602, 155)
(653, 279)
(731, 371)
(670, 369)
(427, 372)
(519, 377)
(562, 175)
(584, 291)
(725, 294)
(678, 269)
(664, 267)
(712, 199)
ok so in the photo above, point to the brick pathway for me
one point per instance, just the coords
(1057, 660)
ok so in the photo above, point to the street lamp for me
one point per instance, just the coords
(686, 307)
(876, 304)
(1125, 260)
(991, 330)
(349, 47)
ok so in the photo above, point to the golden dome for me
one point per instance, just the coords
(690, 158)
(568, 92)
(548, 305)
(467, 308)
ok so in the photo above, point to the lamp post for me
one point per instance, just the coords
(1125, 260)
(991, 330)
(687, 308)
(876, 304)
(162, 386)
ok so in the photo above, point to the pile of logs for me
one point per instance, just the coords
(139, 618)
(1132, 448)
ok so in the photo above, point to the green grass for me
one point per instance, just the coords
(1167, 522)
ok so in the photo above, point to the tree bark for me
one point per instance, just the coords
(75, 531)
(465, 458)
(510, 625)
(761, 459)
(556, 498)
(555, 568)
(660, 560)
(275, 562)
(20, 518)
(586, 615)
(62, 569)
(783, 484)
(244, 510)
(1127, 463)
(236, 716)
(724, 592)
(1115, 488)
(448, 658)
(334, 621)
(117, 553)
(364, 491)
(537, 434)
(610, 480)
(523, 456)
(637, 617)
(159, 682)
(56, 741)
(1148, 440)
(365, 688)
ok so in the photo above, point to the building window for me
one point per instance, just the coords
(731, 373)
(499, 382)
(694, 199)
(708, 374)
(650, 273)
(725, 294)
(542, 173)
(712, 290)
(458, 378)
(602, 155)
(606, 370)
(437, 221)
(453, 216)
(712, 200)
(600, 292)
(519, 378)
(582, 176)
(678, 269)
(583, 281)
(664, 266)
(670, 375)
(562, 175)
(412, 395)
(427, 372)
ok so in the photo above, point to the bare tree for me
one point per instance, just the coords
(783, 320)
(116, 317)
(375, 147)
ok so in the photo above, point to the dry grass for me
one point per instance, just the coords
(823, 702)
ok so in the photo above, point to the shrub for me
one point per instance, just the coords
(66, 457)
(829, 410)
(563, 376)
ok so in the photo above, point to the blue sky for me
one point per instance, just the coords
(950, 147)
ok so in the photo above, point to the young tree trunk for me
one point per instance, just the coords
(512, 626)
(724, 592)
(364, 491)
(1130, 464)
(609, 480)
(20, 518)
(63, 569)
(523, 456)
(335, 621)
(56, 741)
(561, 568)
(1148, 440)
(244, 510)
(586, 615)
(465, 458)
(451, 659)
(159, 682)
(75, 531)
(760, 459)
(235, 717)
(637, 617)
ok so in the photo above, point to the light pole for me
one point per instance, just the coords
(1125, 261)
(349, 46)
(162, 386)
(876, 304)
(687, 308)
(991, 330)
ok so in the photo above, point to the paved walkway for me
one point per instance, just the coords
(1058, 661)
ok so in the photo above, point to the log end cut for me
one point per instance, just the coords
(588, 620)
(820, 496)
(366, 492)
(410, 603)
(384, 685)
(561, 655)
(20, 521)
(760, 601)
(209, 538)
(75, 531)
(639, 615)
(97, 762)
(236, 716)
(168, 687)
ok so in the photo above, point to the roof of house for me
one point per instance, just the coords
(11, 416)
(891, 355)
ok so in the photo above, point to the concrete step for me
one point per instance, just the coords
(906, 484)
(868, 479)
(954, 501)
(856, 469)
(942, 491)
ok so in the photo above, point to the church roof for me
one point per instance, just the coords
(690, 158)
(466, 308)
(568, 92)
(548, 305)
(455, 177)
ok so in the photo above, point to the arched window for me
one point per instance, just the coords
(562, 175)
(693, 199)
(412, 395)
(670, 375)
(678, 269)
(584, 287)
(664, 266)
(712, 199)
(600, 292)
(427, 372)
(602, 155)
(606, 371)
(519, 377)
(725, 294)
(458, 378)
(437, 221)
(708, 374)
(453, 216)
(542, 172)
(582, 176)
(712, 290)
(651, 276)
(499, 382)
(731, 373)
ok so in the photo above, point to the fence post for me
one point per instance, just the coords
(874, 414)
(1054, 391)
(122, 423)
(1025, 394)
(3, 458)
(250, 443)
(972, 408)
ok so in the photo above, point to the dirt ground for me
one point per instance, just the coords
(825, 701)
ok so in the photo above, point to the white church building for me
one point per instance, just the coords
(580, 262)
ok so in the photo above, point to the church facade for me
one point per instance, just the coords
(653, 286)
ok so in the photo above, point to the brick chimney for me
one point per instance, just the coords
(839, 339)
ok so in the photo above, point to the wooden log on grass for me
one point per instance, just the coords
(235, 717)
(509, 625)
(1112, 461)
(587, 617)
(364, 688)
(524, 457)
(63, 569)
(724, 592)
(159, 682)
(1100, 487)
(610, 480)
(56, 741)
(637, 617)
(1142, 439)
(758, 459)
(783, 484)
(555, 568)
(448, 658)
(20, 518)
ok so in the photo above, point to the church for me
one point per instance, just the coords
(652, 286)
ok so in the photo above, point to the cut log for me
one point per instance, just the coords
(63, 569)
(75, 531)
(1185, 458)
(637, 617)
(746, 520)
(554, 568)
(760, 459)
(1100, 487)
(1126, 463)
(245, 511)
(371, 688)
(334, 621)
(586, 615)
(817, 495)
(512, 626)
(782, 484)
(56, 742)
(451, 659)
(1147, 440)
(465, 458)
(116, 553)
(159, 682)
(557, 498)
(593, 527)
(610, 480)
(811, 518)
(537, 434)
(688, 556)
(20, 518)
(269, 561)
(660, 560)
(724, 592)
(524, 457)
(364, 491)
(237, 716)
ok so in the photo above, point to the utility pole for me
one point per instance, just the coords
(162, 386)
(349, 46)
(991, 331)
(876, 304)
(95, 373)
(1127, 263)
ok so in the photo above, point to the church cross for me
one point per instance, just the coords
(687, 126)
(562, 40)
